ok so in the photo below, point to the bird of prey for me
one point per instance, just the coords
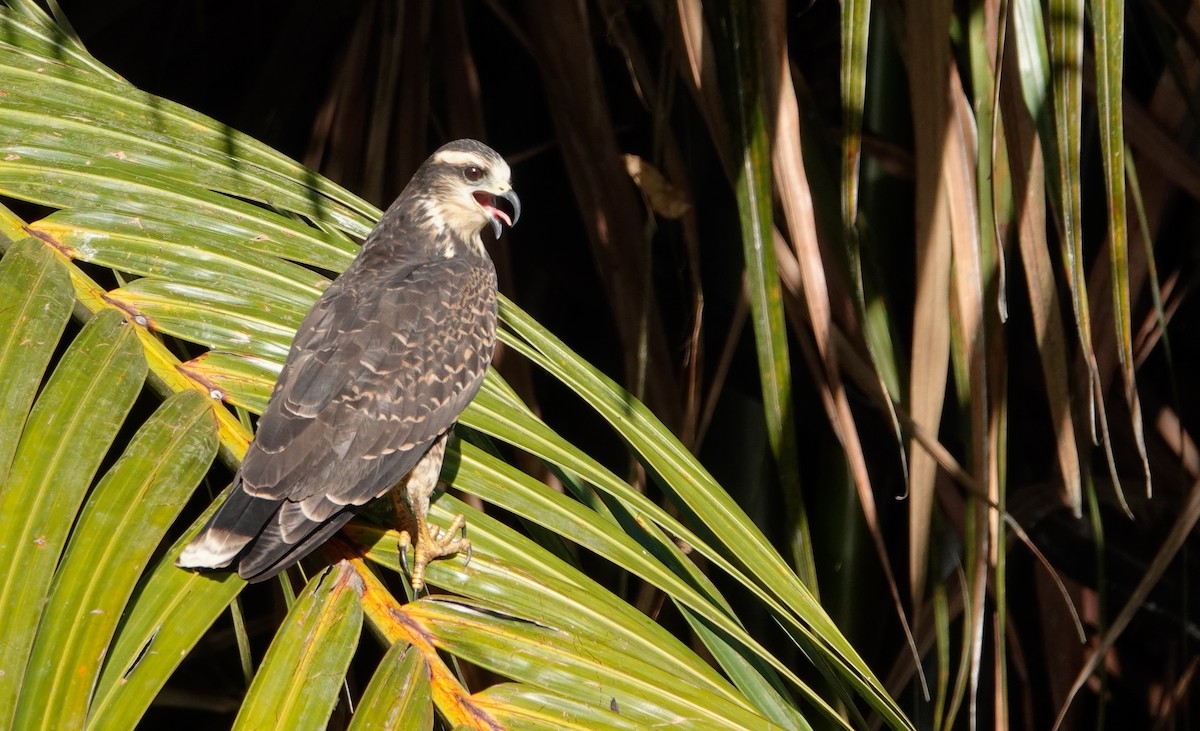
(378, 373)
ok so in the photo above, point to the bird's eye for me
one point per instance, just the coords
(472, 173)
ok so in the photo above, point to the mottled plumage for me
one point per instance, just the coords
(380, 370)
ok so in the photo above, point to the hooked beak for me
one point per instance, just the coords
(498, 215)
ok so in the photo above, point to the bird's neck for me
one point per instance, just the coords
(417, 229)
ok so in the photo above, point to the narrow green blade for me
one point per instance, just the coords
(534, 709)
(75, 419)
(753, 191)
(549, 658)
(398, 694)
(214, 318)
(678, 471)
(37, 299)
(169, 613)
(302, 673)
(121, 526)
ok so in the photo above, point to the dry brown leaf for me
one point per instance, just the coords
(664, 198)
(928, 67)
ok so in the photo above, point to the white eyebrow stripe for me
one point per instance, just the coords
(458, 157)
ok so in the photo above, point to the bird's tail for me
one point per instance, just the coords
(227, 533)
(270, 554)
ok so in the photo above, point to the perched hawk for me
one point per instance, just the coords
(380, 370)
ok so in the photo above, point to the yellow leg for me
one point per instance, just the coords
(432, 542)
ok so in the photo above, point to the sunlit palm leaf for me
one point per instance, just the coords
(522, 707)
(298, 683)
(74, 421)
(167, 615)
(122, 524)
(37, 294)
(398, 694)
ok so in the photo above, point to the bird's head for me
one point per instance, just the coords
(466, 178)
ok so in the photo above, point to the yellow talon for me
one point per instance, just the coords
(434, 543)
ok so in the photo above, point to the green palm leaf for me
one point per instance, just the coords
(60, 615)
(121, 526)
(398, 694)
(301, 676)
(67, 434)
